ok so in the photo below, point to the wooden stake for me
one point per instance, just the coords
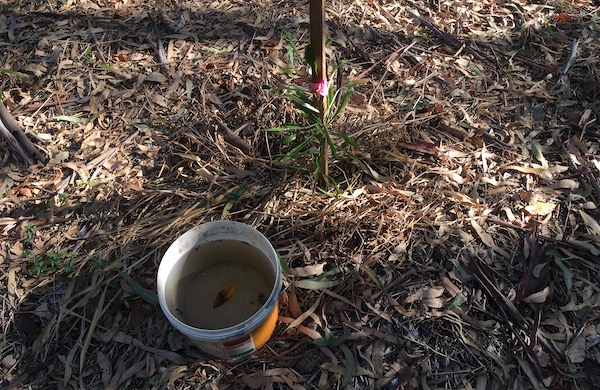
(317, 43)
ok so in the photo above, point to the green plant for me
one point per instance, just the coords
(28, 239)
(38, 266)
(29, 233)
(348, 370)
(314, 139)
(53, 261)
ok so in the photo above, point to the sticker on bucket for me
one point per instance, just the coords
(233, 349)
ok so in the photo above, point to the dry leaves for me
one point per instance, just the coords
(476, 122)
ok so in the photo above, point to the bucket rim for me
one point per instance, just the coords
(207, 232)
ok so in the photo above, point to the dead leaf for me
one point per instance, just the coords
(540, 208)
(449, 286)
(544, 173)
(425, 294)
(538, 297)
(159, 99)
(306, 314)
(224, 296)
(309, 270)
(293, 304)
(487, 238)
(105, 367)
(156, 77)
(13, 291)
(590, 222)
(576, 351)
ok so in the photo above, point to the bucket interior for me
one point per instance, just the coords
(219, 284)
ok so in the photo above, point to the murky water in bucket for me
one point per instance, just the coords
(232, 283)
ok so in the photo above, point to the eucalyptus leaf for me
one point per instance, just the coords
(19, 75)
(566, 271)
(350, 366)
(312, 284)
(147, 295)
(458, 300)
(72, 119)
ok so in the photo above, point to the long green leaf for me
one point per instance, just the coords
(343, 103)
(330, 100)
(372, 274)
(329, 366)
(458, 300)
(19, 75)
(296, 152)
(291, 51)
(330, 142)
(566, 271)
(350, 366)
(333, 271)
(353, 157)
(349, 140)
(329, 341)
(289, 138)
(147, 295)
(284, 265)
(289, 127)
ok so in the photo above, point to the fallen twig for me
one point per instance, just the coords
(17, 139)
(514, 318)
(14, 144)
(449, 38)
(413, 61)
(232, 138)
(95, 41)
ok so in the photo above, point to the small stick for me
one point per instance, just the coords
(15, 129)
(95, 40)
(14, 144)
(232, 138)
(317, 45)
(450, 39)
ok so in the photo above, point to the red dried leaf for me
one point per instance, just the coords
(565, 18)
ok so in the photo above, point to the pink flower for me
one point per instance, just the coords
(322, 87)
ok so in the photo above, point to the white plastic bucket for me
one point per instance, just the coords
(206, 254)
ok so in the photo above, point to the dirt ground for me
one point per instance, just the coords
(458, 250)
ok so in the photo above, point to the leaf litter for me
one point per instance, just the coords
(463, 254)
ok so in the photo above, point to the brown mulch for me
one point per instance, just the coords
(462, 253)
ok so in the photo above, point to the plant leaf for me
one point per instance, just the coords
(19, 75)
(566, 271)
(350, 366)
(72, 119)
(458, 300)
(147, 295)
(312, 284)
